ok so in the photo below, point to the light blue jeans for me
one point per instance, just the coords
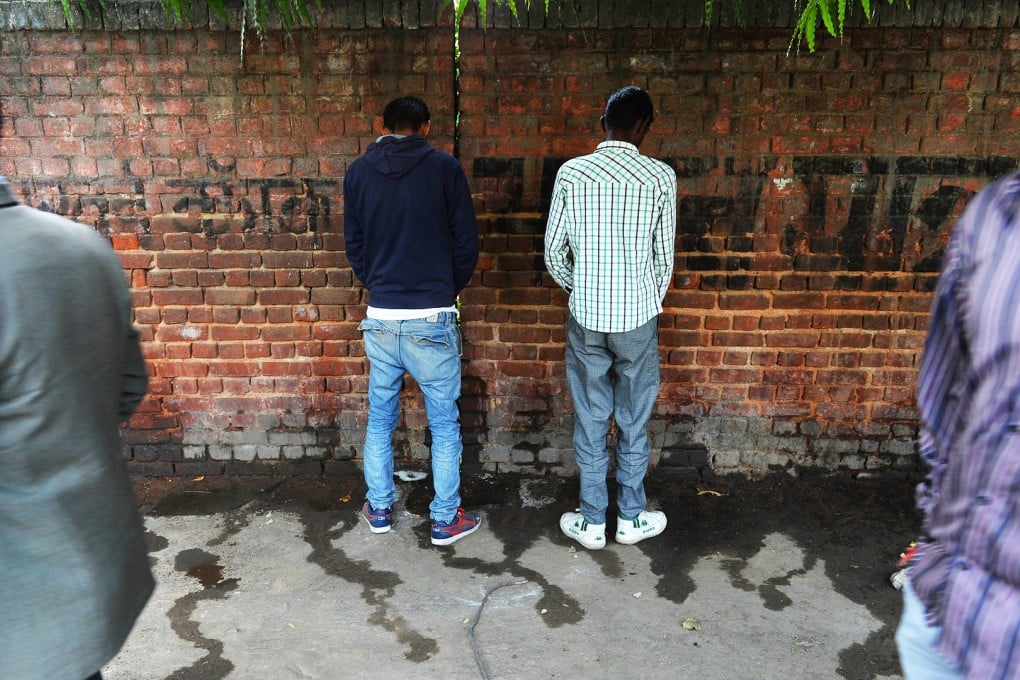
(916, 642)
(430, 352)
(612, 374)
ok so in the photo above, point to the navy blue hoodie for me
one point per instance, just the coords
(409, 224)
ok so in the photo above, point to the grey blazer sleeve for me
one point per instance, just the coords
(136, 379)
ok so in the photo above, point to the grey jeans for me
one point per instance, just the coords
(612, 374)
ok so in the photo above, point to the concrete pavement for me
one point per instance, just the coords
(277, 578)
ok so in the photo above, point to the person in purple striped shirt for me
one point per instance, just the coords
(961, 615)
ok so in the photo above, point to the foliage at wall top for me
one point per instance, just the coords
(255, 15)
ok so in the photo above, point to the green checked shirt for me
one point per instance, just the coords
(609, 239)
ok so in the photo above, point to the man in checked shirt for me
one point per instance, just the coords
(961, 614)
(609, 244)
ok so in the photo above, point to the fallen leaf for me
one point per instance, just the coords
(199, 478)
(346, 499)
(544, 611)
(638, 594)
(690, 623)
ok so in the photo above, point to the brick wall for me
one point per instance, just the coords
(815, 195)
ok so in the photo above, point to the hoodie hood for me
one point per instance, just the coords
(394, 157)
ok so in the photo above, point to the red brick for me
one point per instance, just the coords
(734, 375)
(787, 376)
(281, 332)
(734, 339)
(792, 339)
(283, 296)
(744, 301)
(177, 297)
(233, 368)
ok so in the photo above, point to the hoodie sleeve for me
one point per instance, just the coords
(463, 229)
(354, 232)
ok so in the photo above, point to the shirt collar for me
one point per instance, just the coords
(7, 195)
(614, 144)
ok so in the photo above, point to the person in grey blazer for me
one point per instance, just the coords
(74, 573)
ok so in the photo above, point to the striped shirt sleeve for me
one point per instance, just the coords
(663, 239)
(943, 368)
(557, 244)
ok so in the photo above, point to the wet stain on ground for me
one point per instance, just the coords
(321, 530)
(826, 517)
(154, 543)
(517, 529)
(202, 566)
(855, 528)
(317, 502)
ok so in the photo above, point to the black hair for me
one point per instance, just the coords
(627, 107)
(405, 113)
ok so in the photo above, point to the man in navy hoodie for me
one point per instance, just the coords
(412, 240)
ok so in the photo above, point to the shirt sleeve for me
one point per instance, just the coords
(943, 371)
(664, 239)
(557, 243)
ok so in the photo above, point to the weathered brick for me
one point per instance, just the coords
(796, 257)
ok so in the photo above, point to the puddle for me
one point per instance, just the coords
(202, 566)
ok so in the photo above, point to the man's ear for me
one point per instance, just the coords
(425, 128)
(602, 123)
(640, 130)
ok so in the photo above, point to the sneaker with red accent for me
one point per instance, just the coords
(462, 524)
(379, 520)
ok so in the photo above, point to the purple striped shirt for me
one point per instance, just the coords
(967, 568)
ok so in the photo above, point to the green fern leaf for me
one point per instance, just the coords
(219, 8)
(826, 11)
(811, 17)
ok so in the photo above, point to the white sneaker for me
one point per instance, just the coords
(575, 526)
(647, 524)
